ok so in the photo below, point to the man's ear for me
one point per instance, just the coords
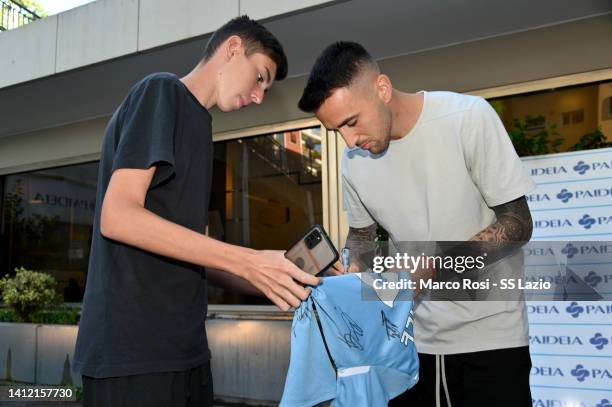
(233, 46)
(384, 88)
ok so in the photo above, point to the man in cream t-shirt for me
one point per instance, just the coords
(433, 166)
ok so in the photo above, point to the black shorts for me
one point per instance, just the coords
(191, 388)
(497, 378)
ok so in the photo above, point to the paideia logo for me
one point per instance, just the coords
(579, 194)
(537, 197)
(581, 373)
(547, 371)
(569, 250)
(555, 340)
(564, 196)
(590, 249)
(593, 279)
(581, 167)
(552, 223)
(574, 309)
(587, 221)
(535, 172)
(542, 309)
(599, 341)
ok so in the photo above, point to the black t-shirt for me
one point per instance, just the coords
(143, 312)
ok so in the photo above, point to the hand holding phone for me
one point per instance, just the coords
(314, 252)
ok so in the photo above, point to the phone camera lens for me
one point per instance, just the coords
(313, 239)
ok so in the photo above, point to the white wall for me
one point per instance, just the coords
(28, 52)
(63, 145)
(106, 29)
(99, 31)
(498, 61)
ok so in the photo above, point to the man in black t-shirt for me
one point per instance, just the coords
(141, 339)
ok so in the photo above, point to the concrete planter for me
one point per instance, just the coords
(35, 353)
(250, 354)
(250, 358)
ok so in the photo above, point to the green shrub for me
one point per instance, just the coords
(592, 141)
(534, 142)
(8, 315)
(28, 292)
(60, 315)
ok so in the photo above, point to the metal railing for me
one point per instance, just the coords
(13, 15)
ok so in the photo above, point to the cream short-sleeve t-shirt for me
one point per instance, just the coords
(438, 183)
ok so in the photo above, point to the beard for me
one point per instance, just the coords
(382, 144)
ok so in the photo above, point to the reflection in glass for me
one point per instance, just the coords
(558, 120)
(46, 224)
(267, 192)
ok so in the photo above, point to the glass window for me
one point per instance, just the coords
(267, 192)
(46, 224)
(557, 120)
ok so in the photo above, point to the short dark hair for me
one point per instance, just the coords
(335, 68)
(256, 39)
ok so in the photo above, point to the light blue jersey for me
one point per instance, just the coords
(369, 339)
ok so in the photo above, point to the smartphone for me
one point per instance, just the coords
(314, 252)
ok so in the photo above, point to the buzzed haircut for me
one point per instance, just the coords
(256, 38)
(337, 66)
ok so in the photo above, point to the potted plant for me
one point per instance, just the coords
(31, 350)
(28, 293)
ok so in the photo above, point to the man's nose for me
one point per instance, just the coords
(350, 138)
(257, 95)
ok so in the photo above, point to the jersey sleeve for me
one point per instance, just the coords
(146, 136)
(490, 157)
(358, 216)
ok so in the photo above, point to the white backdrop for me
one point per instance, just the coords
(571, 341)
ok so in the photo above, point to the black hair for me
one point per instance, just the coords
(256, 39)
(335, 68)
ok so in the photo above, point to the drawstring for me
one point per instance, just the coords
(444, 384)
(437, 380)
(440, 360)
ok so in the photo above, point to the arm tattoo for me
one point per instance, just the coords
(513, 224)
(511, 230)
(361, 243)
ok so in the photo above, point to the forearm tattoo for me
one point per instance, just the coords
(513, 224)
(511, 230)
(361, 242)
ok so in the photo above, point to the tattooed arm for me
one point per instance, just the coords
(513, 224)
(360, 241)
(510, 231)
